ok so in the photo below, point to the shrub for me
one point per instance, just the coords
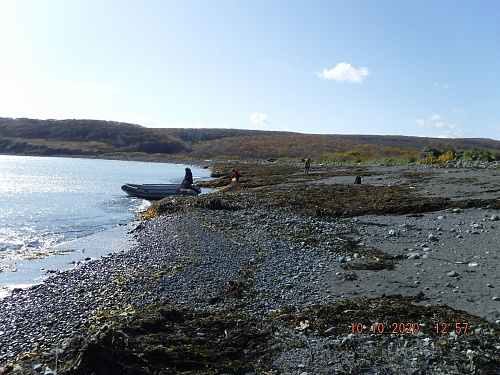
(485, 157)
(430, 159)
(447, 156)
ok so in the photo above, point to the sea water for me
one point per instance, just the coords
(57, 212)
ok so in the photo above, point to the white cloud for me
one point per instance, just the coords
(421, 122)
(445, 129)
(460, 110)
(437, 84)
(344, 72)
(259, 119)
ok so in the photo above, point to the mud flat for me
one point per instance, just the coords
(283, 273)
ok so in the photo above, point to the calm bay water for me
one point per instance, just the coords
(49, 201)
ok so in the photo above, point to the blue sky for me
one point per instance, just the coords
(418, 68)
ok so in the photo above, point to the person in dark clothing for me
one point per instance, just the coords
(188, 179)
(307, 165)
(236, 174)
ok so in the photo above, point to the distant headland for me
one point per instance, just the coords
(22, 136)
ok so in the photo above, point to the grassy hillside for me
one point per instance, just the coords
(92, 137)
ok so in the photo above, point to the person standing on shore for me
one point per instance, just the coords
(307, 166)
(236, 174)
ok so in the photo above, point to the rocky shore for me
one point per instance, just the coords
(283, 273)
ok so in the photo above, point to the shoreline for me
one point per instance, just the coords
(31, 262)
(287, 256)
(32, 271)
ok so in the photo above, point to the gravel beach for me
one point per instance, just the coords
(283, 273)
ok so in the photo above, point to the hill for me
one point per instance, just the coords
(92, 137)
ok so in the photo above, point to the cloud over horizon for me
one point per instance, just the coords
(344, 72)
(259, 119)
(447, 130)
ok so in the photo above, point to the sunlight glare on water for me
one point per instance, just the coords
(48, 200)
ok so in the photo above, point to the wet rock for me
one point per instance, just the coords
(432, 237)
(186, 264)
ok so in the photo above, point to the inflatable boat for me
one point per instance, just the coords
(158, 191)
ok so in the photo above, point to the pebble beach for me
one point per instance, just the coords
(283, 273)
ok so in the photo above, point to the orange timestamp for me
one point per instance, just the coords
(383, 328)
(451, 327)
(401, 328)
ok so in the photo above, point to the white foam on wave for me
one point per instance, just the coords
(24, 273)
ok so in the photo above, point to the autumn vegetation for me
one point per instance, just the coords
(106, 138)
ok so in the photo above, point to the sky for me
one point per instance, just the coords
(386, 67)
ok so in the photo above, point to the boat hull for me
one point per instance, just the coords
(158, 191)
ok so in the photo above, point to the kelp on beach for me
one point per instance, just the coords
(284, 186)
(165, 339)
(220, 336)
